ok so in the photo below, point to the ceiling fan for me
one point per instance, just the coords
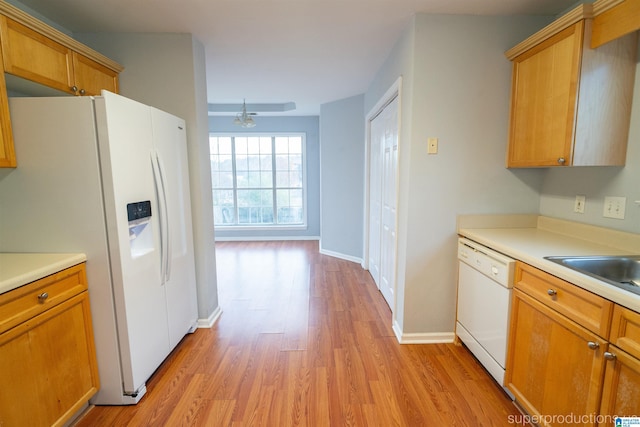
(244, 119)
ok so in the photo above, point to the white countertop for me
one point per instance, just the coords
(532, 244)
(17, 269)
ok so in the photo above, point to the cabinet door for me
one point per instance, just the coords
(48, 367)
(33, 56)
(554, 366)
(621, 391)
(7, 153)
(543, 101)
(91, 77)
(625, 330)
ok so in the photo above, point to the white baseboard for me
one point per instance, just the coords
(341, 256)
(263, 238)
(425, 338)
(211, 320)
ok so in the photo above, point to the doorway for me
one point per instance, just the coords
(383, 125)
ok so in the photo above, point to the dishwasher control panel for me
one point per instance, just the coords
(492, 264)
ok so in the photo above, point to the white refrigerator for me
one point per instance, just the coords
(107, 176)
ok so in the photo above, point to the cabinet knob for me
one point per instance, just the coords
(561, 160)
(552, 292)
(82, 91)
(74, 88)
(609, 356)
(593, 345)
(43, 297)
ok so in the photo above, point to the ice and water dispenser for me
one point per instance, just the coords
(140, 230)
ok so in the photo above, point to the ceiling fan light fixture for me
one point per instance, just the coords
(249, 122)
(243, 119)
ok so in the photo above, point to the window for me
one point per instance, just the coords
(258, 181)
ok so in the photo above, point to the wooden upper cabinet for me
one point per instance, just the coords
(33, 56)
(37, 52)
(570, 104)
(615, 22)
(91, 77)
(544, 91)
(7, 153)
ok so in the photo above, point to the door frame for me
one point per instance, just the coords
(394, 91)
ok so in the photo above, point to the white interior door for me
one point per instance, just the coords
(375, 197)
(382, 196)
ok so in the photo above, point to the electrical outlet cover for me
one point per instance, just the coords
(579, 203)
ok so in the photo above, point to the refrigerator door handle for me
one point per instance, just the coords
(162, 208)
(167, 221)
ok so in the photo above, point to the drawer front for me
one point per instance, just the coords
(29, 300)
(583, 307)
(625, 330)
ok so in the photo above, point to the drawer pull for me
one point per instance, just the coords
(43, 297)
(593, 345)
(552, 292)
(609, 356)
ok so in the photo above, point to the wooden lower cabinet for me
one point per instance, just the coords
(559, 361)
(621, 392)
(48, 367)
(554, 366)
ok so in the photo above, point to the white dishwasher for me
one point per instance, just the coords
(485, 279)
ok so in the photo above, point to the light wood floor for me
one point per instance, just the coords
(306, 339)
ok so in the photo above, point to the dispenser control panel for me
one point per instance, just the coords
(139, 210)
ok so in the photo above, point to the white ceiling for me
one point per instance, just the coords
(305, 51)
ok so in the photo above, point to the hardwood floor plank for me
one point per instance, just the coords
(251, 379)
(305, 339)
(216, 413)
(296, 323)
(319, 412)
(385, 410)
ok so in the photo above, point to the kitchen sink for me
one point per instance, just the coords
(621, 271)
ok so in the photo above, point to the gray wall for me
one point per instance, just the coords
(305, 124)
(167, 71)
(342, 177)
(561, 185)
(455, 86)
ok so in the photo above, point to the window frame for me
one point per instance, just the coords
(264, 227)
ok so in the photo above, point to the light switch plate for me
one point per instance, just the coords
(614, 207)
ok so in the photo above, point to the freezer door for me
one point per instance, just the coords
(126, 151)
(170, 143)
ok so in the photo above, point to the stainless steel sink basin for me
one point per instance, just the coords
(621, 271)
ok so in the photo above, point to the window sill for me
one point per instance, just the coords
(260, 228)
